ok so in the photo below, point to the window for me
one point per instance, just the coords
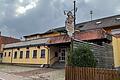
(27, 47)
(21, 54)
(1, 55)
(5, 54)
(27, 54)
(9, 54)
(56, 54)
(118, 18)
(34, 53)
(98, 22)
(43, 53)
(18, 48)
(15, 55)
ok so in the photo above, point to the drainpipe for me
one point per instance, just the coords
(48, 60)
(11, 56)
(48, 55)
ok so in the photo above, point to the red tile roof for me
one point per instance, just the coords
(59, 39)
(87, 35)
(7, 40)
(90, 34)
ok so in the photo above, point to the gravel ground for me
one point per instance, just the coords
(54, 75)
(9, 72)
(34, 72)
(43, 74)
(12, 68)
(6, 76)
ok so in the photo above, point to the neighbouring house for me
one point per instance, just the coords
(5, 40)
(51, 47)
(116, 49)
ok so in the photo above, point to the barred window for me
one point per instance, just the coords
(9, 54)
(34, 53)
(43, 53)
(27, 54)
(15, 55)
(5, 54)
(21, 54)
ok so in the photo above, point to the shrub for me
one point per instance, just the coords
(82, 56)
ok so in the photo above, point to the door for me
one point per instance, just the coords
(62, 55)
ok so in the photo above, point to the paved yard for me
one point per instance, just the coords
(9, 72)
(12, 68)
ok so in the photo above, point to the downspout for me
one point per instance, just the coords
(48, 56)
(48, 60)
(11, 56)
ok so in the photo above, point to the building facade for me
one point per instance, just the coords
(5, 40)
(43, 50)
(116, 49)
(51, 47)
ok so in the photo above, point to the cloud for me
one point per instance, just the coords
(117, 9)
(87, 1)
(23, 9)
(21, 1)
(37, 16)
(8, 31)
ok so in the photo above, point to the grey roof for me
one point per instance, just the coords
(97, 23)
(27, 43)
(59, 29)
(101, 23)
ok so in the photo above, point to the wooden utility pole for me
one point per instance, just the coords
(74, 13)
(72, 39)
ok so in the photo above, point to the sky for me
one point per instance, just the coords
(23, 17)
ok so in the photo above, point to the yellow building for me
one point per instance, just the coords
(36, 49)
(116, 49)
(26, 52)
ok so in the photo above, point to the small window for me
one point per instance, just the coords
(21, 54)
(27, 47)
(98, 22)
(56, 54)
(15, 55)
(43, 53)
(27, 54)
(118, 18)
(34, 53)
(38, 47)
(18, 48)
(5, 54)
(1, 55)
(9, 54)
